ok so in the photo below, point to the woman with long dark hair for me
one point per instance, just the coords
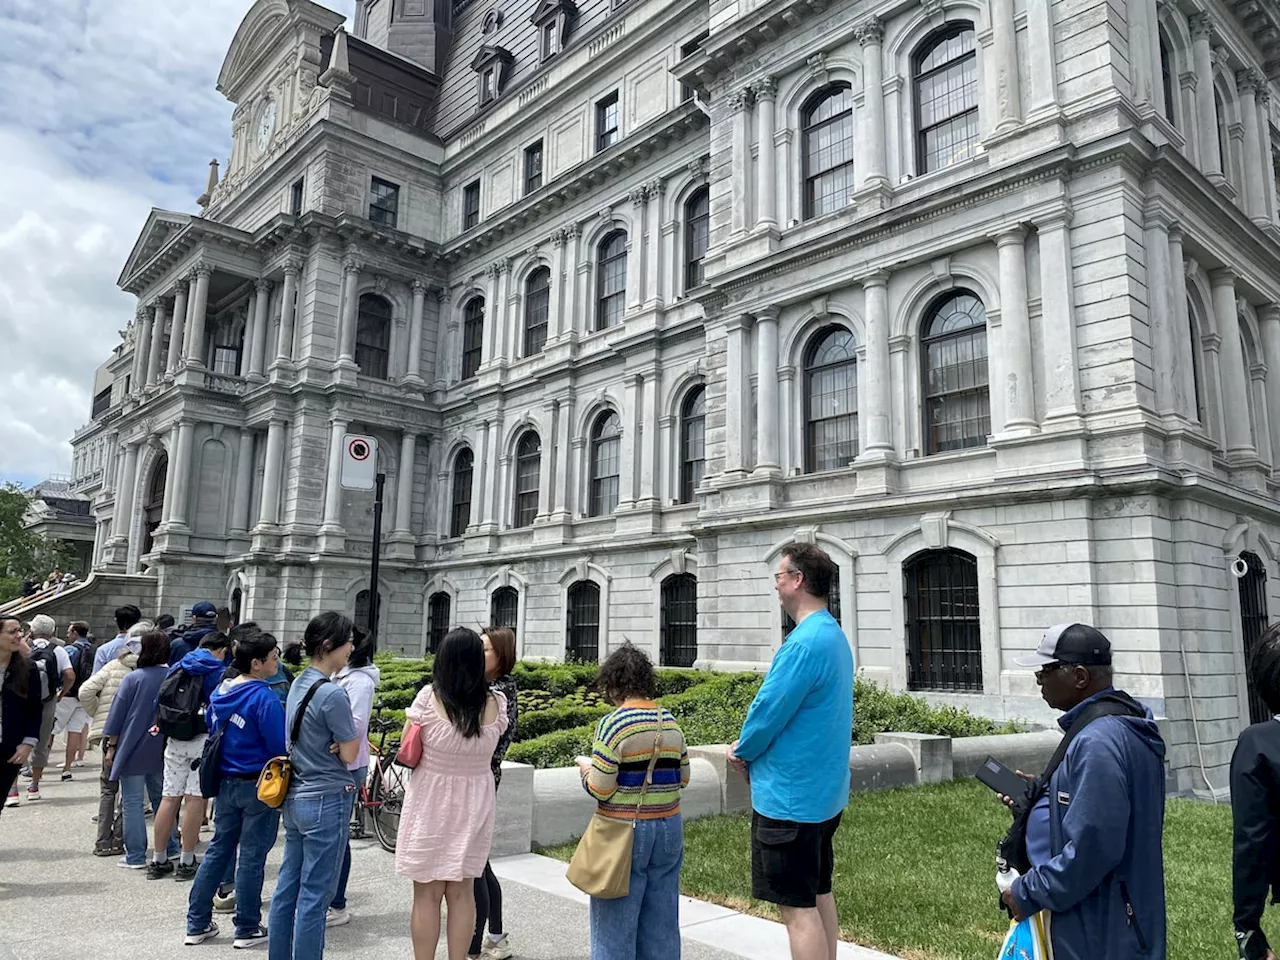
(446, 826)
(317, 808)
(20, 706)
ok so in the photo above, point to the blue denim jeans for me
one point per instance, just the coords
(239, 819)
(340, 898)
(315, 834)
(135, 822)
(645, 924)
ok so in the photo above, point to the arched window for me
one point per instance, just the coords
(153, 510)
(237, 605)
(957, 405)
(606, 452)
(373, 336)
(472, 336)
(1253, 624)
(697, 236)
(460, 517)
(362, 612)
(828, 150)
(437, 620)
(833, 605)
(582, 640)
(1197, 369)
(831, 400)
(611, 280)
(1224, 133)
(537, 306)
(944, 639)
(679, 625)
(1167, 77)
(528, 463)
(504, 608)
(945, 86)
(693, 442)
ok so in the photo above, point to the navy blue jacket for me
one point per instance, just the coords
(188, 640)
(1106, 819)
(253, 717)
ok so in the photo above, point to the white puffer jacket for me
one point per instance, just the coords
(99, 690)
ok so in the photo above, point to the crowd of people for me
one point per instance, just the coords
(208, 712)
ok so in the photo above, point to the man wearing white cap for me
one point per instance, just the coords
(48, 652)
(1092, 846)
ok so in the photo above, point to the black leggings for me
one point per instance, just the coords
(488, 908)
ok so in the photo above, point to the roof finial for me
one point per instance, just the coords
(339, 78)
(205, 198)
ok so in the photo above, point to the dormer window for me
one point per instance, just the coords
(492, 65)
(553, 18)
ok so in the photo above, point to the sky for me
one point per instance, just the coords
(107, 109)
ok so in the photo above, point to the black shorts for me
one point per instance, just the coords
(791, 863)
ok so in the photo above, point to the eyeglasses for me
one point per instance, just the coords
(783, 573)
(1049, 668)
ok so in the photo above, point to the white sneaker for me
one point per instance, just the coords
(258, 936)
(124, 862)
(337, 918)
(12, 800)
(497, 950)
(197, 938)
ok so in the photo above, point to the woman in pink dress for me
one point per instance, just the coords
(446, 826)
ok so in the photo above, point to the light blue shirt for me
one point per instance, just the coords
(797, 733)
(108, 651)
(316, 771)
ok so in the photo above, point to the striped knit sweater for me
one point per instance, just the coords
(620, 759)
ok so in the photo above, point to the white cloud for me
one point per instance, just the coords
(107, 108)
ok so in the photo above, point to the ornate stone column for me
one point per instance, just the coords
(284, 346)
(404, 485)
(269, 515)
(654, 252)
(574, 323)
(493, 311)
(1043, 95)
(876, 390)
(630, 417)
(1206, 111)
(413, 368)
(142, 347)
(332, 522)
(871, 133)
(1160, 315)
(482, 478)
(556, 298)
(257, 355)
(1008, 88)
(1269, 324)
(1184, 366)
(738, 102)
(1020, 405)
(1248, 83)
(1058, 322)
(250, 321)
(199, 307)
(767, 462)
(735, 391)
(635, 249)
(178, 334)
(561, 505)
(242, 497)
(351, 267)
(766, 91)
(1232, 373)
(1263, 102)
(180, 493)
(122, 517)
(546, 465)
(649, 441)
(157, 342)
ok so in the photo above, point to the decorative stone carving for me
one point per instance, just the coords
(1201, 27)
(1250, 80)
(380, 284)
(738, 100)
(870, 30)
(766, 88)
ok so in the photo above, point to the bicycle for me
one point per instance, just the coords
(382, 794)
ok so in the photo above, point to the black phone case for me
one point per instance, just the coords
(1001, 779)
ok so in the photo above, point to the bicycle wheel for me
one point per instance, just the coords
(389, 800)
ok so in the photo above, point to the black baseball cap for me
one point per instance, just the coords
(1070, 643)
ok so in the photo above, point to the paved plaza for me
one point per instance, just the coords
(59, 901)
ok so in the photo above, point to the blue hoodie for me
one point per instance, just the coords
(254, 720)
(202, 664)
(1106, 820)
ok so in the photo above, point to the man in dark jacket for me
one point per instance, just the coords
(188, 639)
(1255, 806)
(1094, 839)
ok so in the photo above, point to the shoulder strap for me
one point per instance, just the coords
(648, 774)
(1111, 705)
(302, 709)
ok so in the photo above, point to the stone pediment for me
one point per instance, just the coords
(161, 227)
(489, 54)
(264, 27)
(547, 9)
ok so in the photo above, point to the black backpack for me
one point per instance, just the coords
(180, 712)
(52, 679)
(81, 654)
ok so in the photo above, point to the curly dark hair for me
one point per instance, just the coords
(626, 673)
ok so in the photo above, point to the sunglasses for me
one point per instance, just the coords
(1049, 668)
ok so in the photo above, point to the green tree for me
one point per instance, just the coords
(21, 551)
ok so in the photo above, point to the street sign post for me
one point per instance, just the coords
(360, 472)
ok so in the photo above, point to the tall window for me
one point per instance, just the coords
(945, 82)
(153, 509)
(226, 358)
(437, 620)
(1197, 375)
(488, 84)
(472, 336)
(550, 42)
(611, 280)
(295, 198)
(537, 305)
(384, 202)
(460, 515)
(944, 638)
(532, 167)
(504, 608)
(831, 400)
(828, 150)
(833, 605)
(697, 235)
(471, 205)
(1166, 78)
(679, 623)
(606, 452)
(1224, 135)
(1253, 624)
(363, 610)
(582, 641)
(528, 463)
(607, 122)
(693, 442)
(957, 405)
(373, 336)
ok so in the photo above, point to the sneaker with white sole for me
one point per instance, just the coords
(208, 933)
(225, 904)
(12, 800)
(33, 792)
(252, 940)
(497, 950)
(337, 918)
(124, 862)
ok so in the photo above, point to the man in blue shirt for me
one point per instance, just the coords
(794, 749)
(126, 617)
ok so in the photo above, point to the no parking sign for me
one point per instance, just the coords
(359, 462)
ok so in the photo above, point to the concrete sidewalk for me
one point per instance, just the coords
(57, 900)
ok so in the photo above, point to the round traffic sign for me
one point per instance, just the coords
(358, 449)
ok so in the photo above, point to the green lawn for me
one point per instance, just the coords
(915, 872)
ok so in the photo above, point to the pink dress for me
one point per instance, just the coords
(446, 826)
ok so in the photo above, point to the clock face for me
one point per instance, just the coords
(266, 125)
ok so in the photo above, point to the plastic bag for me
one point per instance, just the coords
(1027, 939)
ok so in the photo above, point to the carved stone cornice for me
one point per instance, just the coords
(738, 100)
(1201, 27)
(766, 88)
(870, 30)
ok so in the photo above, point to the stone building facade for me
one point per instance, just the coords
(983, 296)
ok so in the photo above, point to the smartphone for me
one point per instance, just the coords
(1001, 779)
